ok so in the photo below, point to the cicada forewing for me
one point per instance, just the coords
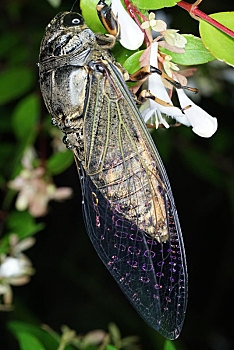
(128, 205)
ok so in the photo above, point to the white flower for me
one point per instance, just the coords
(169, 66)
(174, 39)
(202, 123)
(36, 190)
(13, 267)
(14, 271)
(156, 87)
(94, 337)
(154, 116)
(131, 36)
(156, 25)
(171, 36)
(18, 246)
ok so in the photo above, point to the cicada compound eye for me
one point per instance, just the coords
(73, 19)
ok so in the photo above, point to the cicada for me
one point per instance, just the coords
(128, 206)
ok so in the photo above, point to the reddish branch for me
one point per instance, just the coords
(194, 12)
(191, 8)
(133, 11)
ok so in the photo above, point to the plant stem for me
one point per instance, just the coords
(193, 10)
(132, 11)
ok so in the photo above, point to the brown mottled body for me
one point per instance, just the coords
(128, 205)
(88, 103)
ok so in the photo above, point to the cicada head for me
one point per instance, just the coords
(64, 35)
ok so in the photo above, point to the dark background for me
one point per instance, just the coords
(71, 285)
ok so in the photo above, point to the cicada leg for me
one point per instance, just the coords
(110, 23)
(142, 74)
(146, 94)
(108, 19)
(146, 71)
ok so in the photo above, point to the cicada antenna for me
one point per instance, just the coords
(73, 5)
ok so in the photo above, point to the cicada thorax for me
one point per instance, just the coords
(63, 54)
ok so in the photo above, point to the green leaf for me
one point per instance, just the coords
(15, 82)
(25, 117)
(4, 244)
(132, 64)
(22, 223)
(220, 44)
(115, 333)
(54, 3)
(29, 342)
(88, 347)
(90, 15)
(59, 162)
(154, 4)
(120, 53)
(195, 52)
(49, 343)
(168, 345)
(111, 347)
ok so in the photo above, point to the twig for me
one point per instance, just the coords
(197, 14)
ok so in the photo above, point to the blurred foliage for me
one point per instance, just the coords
(40, 338)
(65, 288)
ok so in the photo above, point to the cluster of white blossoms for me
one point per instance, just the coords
(201, 122)
(189, 114)
(15, 269)
(35, 190)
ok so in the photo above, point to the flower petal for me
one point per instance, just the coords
(145, 25)
(174, 39)
(24, 245)
(159, 26)
(38, 206)
(8, 295)
(157, 88)
(21, 201)
(62, 193)
(165, 45)
(202, 123)
(151, 16)
(152, 115)
(131, 36)
(11, 267)
(147, 115)
(180, 41)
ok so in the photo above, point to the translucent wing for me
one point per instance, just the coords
(128, 206)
